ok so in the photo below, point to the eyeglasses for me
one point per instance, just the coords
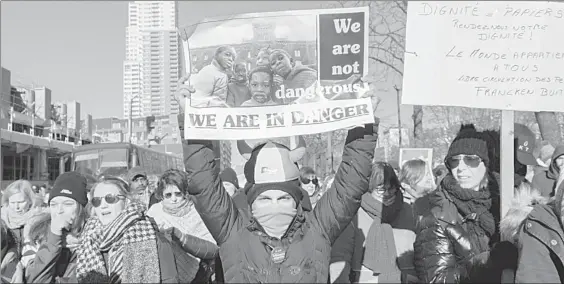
(472, 161)
(110, 199)
(308, 180)
(168, 195)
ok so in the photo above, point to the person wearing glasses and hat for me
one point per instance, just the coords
(457, 239)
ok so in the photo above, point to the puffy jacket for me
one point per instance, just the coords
(244, 244)
(443, 251)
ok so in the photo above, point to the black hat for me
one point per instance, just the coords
(71, 185)
(469, 141)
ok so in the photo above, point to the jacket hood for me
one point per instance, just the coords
(297, 69)
(553, 170)
(522, 204)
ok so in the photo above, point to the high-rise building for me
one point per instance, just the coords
(151, 68)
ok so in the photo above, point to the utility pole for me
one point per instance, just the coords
(399, 113)
(131, 116)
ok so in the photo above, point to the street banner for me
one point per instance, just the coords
(506, 55)
(276, 74)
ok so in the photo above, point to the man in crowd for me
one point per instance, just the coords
(138, 183)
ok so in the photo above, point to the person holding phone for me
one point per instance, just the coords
(55, 260)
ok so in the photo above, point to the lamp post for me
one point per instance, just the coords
(131, 116)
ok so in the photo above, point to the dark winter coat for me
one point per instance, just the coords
(533, 225)
(54, 263)
(245, 247)
(443, 250)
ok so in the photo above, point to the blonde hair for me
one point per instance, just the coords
(20, 186)
(413, 171)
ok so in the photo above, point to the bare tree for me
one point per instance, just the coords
(387, 48)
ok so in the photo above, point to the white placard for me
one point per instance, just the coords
(499, 55)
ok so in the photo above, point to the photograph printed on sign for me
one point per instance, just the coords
(278, 71)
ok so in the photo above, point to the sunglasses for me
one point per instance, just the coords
(470, 160)
(307, 180)
(110, 199)
(168, 195)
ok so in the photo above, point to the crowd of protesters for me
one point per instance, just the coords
(369, 222)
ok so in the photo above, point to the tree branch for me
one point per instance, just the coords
(387, 64)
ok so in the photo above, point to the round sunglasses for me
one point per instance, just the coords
(109, 198)
(471, 161)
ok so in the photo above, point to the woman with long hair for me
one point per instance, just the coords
(19, 204)
(119, 243)
(56, 258)
(456, 238)
(383, 243)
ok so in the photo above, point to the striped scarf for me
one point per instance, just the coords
(130, 241)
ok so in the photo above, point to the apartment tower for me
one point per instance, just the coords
(151, 67)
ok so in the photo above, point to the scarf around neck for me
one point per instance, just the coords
(180, 209)
(468, 202)
(14, 220)
(380, 249)
(129, 240)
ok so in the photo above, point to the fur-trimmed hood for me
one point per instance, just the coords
(38, 227)
(522, 204)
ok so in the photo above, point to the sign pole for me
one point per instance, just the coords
(507, 163)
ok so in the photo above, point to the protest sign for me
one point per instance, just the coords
(277, 74)
(505, 55)
(425, 154)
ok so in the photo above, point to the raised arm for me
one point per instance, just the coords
(212, 201)
(340, 204)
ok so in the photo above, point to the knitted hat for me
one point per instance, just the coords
(469, 141)
(525, 144)
(271, 166)
(135, 172)
(229, 175)
(71, 185)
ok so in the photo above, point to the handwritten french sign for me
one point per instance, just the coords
(497, 55)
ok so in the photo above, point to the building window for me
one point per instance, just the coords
(205, 57)
(297, 53)
(194, 58)
(249, 55)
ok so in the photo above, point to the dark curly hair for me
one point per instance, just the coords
(174, 177)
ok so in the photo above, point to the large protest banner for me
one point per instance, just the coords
(277, 74)
(497, 55)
